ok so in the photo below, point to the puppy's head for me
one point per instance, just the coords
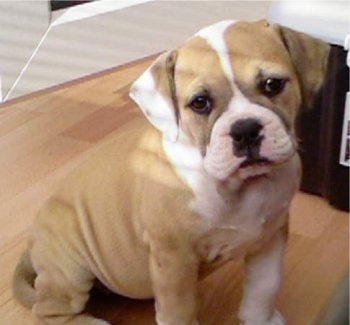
(233, 90)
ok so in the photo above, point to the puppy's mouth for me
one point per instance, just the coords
(261, 161)
(254, 168)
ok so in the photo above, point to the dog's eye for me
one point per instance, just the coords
(201, 104)
(272, 86)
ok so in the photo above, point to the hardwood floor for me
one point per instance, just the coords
(45, 135)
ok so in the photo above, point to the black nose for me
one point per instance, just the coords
(246, 137)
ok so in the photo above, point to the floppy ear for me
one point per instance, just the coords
(310, 57)
(155, 93)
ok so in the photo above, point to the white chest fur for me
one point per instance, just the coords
(235, 211)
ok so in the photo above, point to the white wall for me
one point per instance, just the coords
(326, 19)
(22, 25)
(76, 48)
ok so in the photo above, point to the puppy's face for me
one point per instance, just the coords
(234, 91)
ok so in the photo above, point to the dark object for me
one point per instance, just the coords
(61, 4)
(320, 133)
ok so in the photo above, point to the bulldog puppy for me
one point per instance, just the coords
(158, 208)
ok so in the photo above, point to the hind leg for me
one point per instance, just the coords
(62, 290)
(63, 301)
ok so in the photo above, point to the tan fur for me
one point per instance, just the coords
(89, 229)
(310, 57)
(256, 58)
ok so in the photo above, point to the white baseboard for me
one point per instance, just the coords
(102, 36)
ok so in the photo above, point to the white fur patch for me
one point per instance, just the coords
(186, 158)
(214, 35)
(263, 282)
(158, 109)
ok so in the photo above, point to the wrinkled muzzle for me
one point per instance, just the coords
(248, 143)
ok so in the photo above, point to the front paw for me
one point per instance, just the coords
(275, 319)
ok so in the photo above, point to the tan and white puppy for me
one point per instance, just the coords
(159, 208)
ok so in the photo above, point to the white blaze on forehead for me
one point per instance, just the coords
(215, 37)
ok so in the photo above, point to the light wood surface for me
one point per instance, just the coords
(45, 135)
